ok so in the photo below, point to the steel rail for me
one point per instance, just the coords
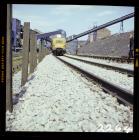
(123, 95)
(122, 70)
(114, 58)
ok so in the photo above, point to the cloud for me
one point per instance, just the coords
(105, 13)
(67, 10)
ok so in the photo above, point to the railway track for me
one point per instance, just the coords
(117, 59)
(119, 69)
(124, 96)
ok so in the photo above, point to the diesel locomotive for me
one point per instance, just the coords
(58, 45)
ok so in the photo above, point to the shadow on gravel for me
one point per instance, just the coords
(22, 92)
(31, 78)
(18, 95)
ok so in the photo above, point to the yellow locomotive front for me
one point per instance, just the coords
(58, 45)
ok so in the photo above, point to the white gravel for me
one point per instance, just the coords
(16, 84)
(58, 99)
(107, 62)
(115, 77)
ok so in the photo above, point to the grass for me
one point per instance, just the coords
(16, 62)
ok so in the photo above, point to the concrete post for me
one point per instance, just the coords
(38, 48)
(35, 51)
(9, 103)
(40, 51)
(33, 54)
(46, 51)
(43, 50)
(25, 54)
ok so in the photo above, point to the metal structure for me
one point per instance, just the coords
(119, 69)
(121, 27)
(16, 34)
(46, 36)
(102, 26)
(110, 58)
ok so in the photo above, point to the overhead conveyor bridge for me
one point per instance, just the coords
(102, 26)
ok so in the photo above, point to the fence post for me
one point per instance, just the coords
(25, 54)
(40, 51)
(9, 102)
(46, 51)
(33, 54)
(35, 51)
(43, 49)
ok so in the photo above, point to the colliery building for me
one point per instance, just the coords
(100, 34)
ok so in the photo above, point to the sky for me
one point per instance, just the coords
(74, 19)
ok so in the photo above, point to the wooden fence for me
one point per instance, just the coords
(30, 58)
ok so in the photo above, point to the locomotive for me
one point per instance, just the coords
(57, 40)
(58, 45)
